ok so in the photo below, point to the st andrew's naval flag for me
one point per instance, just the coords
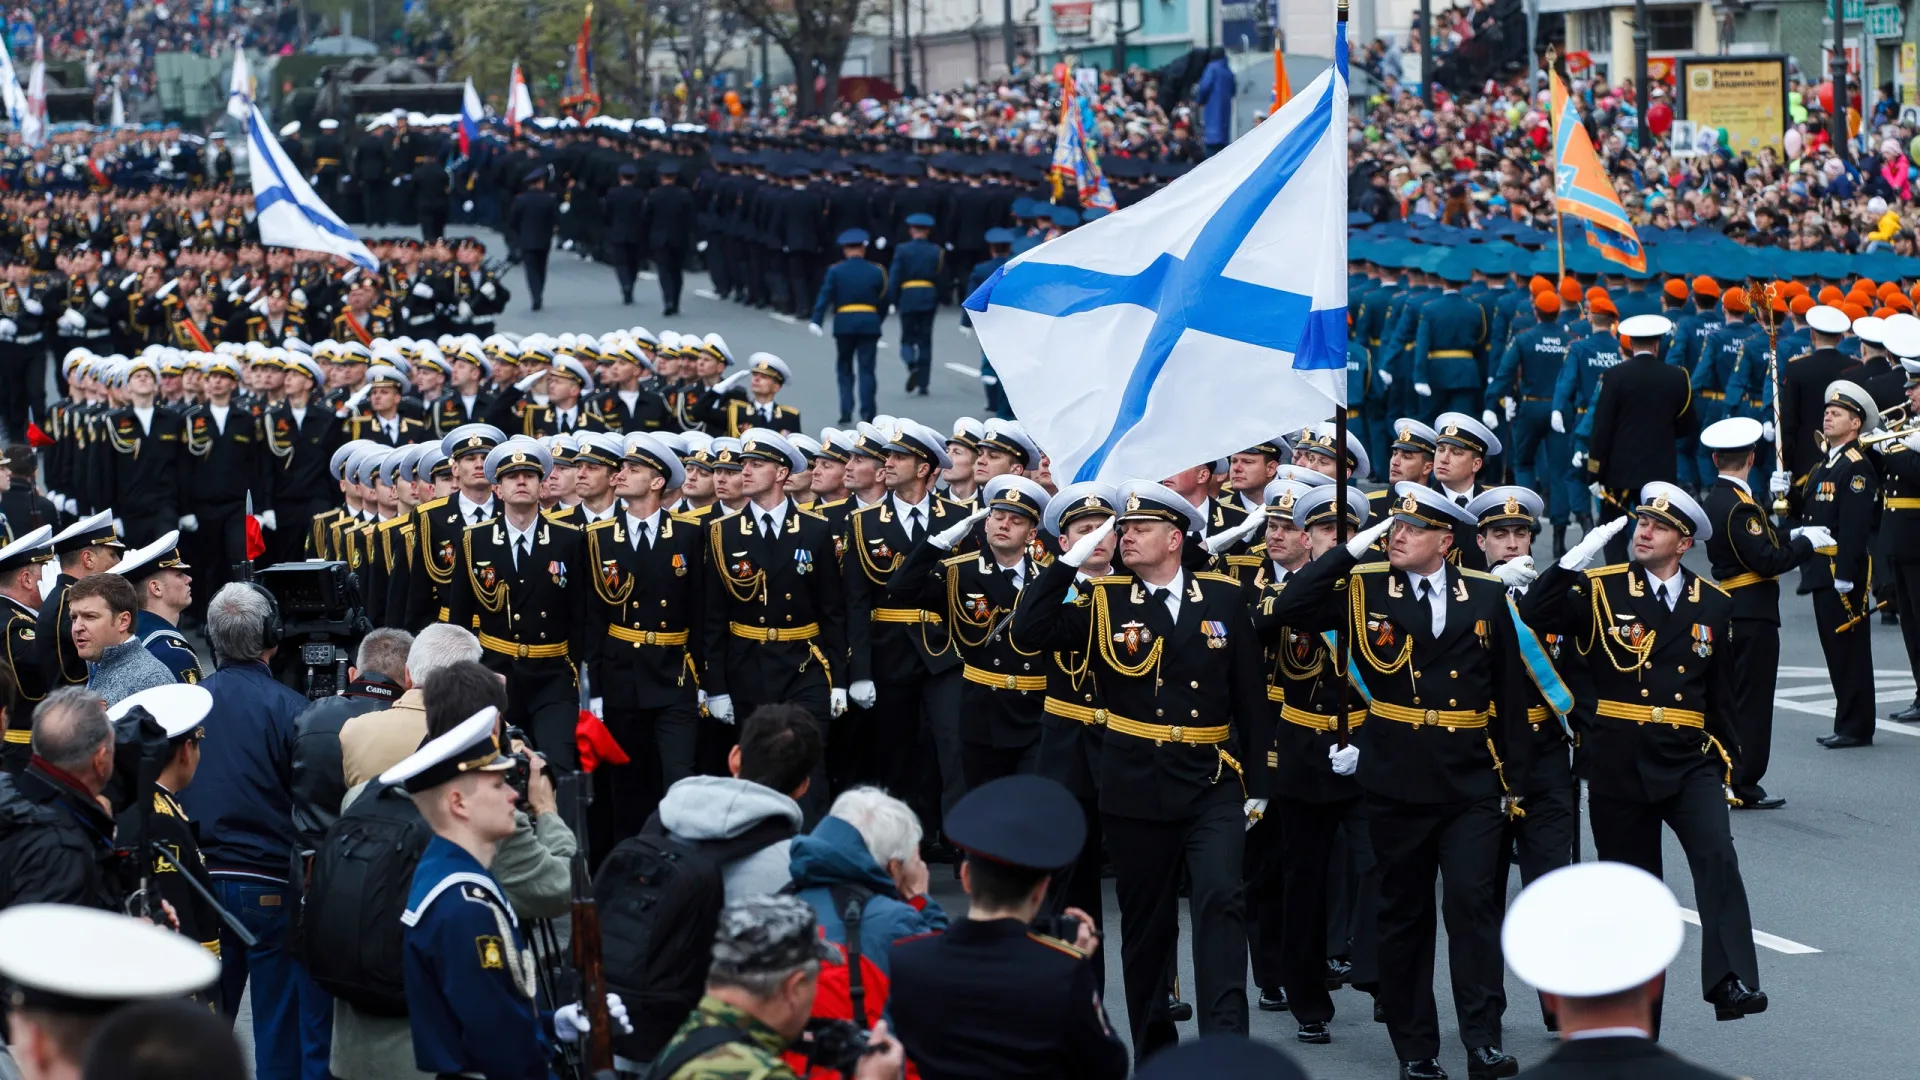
(1199, 322)
(290, 214)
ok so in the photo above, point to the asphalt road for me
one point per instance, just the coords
(1831, 877)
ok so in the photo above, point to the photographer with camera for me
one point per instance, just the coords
(55, 841)
(1000, 995)
(378, 678)
(760, 994)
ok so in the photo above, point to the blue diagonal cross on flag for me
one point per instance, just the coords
(1204, 320)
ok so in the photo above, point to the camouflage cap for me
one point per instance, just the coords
(766, 934)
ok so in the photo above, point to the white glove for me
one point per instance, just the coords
(953, 534)
(1842, 587)
(1780, 482)
(967, 332)
(1579, 460)
(570, 1021)
(268, 521)
(1082, 549)
(1220, 542)
(422, 290)
(8, 328)
(1490, 418)
(1589, 546)
(487, 290)
(353, 403)
(1558, 423)
(100, 299)
(700, 246)
(1516, 573)
(526, 384)
(33, 307)
(814, 329)
(863, 693)
(726, 385)
(1513, 408)
(119, 527)
(1359, 544)
(566, 208)
(467, 206)
(1255, 809)
(1817, 535)
(189, 523)
(1423, 389)
(837, 701)
(259, 305)
(346, 178)
(465, 310)
(298, 297)
(72, 505)
(314, 180)
(880, 243)
(720, 707)
(129, 282)
(163, 290)
(1345, 759)
(1386, 378)
(598, 707)
(1766, 430)
(396, 181)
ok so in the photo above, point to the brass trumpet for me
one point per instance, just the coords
(1896, 425)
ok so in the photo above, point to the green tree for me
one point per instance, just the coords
(813, 33)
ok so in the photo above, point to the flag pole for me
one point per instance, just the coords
(1343, 645)
(1559, 236)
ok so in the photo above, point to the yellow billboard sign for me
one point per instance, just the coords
(1744, 95)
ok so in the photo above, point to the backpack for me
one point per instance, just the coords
(851, 989)
(356, 891)
(660, 898)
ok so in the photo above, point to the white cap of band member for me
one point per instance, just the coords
(1853, 397)
(1733, 433)
(1670, 505)
(1592, 929)
(81, 962)
(1649, 329)
(179, 707)
(1870, 329)
(1828, 320)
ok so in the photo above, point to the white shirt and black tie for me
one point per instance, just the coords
(913, 516)
(1668, 591)
(1169, 594)
(474, 513)
(1431, 589)
(521, 542)
(642, 530)
(770, 521)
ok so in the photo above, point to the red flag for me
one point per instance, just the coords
(596, 744)
(37, 438)
(256, 543)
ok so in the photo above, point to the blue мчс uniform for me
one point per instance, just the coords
(855, 292)
(469, 974)
(1527, 373)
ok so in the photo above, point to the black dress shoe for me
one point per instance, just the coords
(1379, 1012)
(1427, 1069)
(1274, 1000)
(1907, 715)
(845, 419)
(1760, 802)
(913, 380)
(1179, 1011)
(1315, 1032)
(1733, 999)
(1844, 742)
(1489, 1062)
(1338, 972)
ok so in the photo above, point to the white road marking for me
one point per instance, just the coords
(648, 275)
(969, 372)
(1760, 937)
(781, 316)
(706, 294)
(1790, 672)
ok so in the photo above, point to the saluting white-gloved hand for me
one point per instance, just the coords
(1255, 809)
(1558, 422)
(727, 385)
(172, 284)
(720, 707)
(1345, 759)
(189, 523)
(268, 521)
(1368, 536)
(1221, 541)
(863, 693)
(1817, 535)
(814, 329)
(422, 290)
(1780, 482)
(1516, 573)
(1082, 549)
(129, 282)
(526, 385)
(1582, 553)
(953, 534)
(32, 306)
(100, 299)
(348, 407)
(1490, 418)
(837, 701)
(570, 1021)
(1423, 389)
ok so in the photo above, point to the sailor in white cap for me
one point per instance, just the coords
(1644, 409)
(1596, 939)
(596, 461)
(517, 583)
(647, 570)
(1225, 529)
(1748, 555)
(160, 579)
(1249, 471)
(142, 466)
(730, 408)
(1313, 447)
(1439, 652)
(384, 421)
(1184, 691)
(470, 977)
(957, 482)
(1005, 447)
(438, 523)
(1661, 745)
(171, 839)
(1462, 447)
(1841, 493)
(66, 969)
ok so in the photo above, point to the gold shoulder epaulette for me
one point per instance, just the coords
(605, 523)
(393, 523)
(1112, 579)
(1371, 568)
(563, 524)
(483, 524)
(824, 505)
(1245, 560)
(682, 518)
(1215, 575)
(812, 513)
(1481, 574)
(1605, 571)
(1057, 945)
(434, 504)
(869, 508)
(1853, 453)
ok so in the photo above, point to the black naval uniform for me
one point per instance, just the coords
(30, 682)
(1900, 522)
(1607, 1057)
(179, 839)
(527, 610)
(1644, 407)
(1446, 727)
(1841, 492)
(1661, 741)
(438, 526)
(1183, 701)
(227, 461)
(1747, 556)
(302, 486)
(144, 471)
(645, 659)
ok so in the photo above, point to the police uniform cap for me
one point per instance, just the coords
(1466, 432)
(996, 822)
(1647, 328)
(853, 238)
(764, 935)
(1426, 508)
(30, 548)
(1149, 500)
(471, 746)
(1828, 319)
(1670, 504)
(1411, 434)
(1010, 436)
(1853, 397)
(1733, 433)
(517, 455)
(1508, 504)
(599, 448)
(724, 453)
(471, 439)
(913, 437)
(920, 221)
(1316, 507)
(1318, 439)
(144, 562)
(1075, 501)
(179, 708)
(1592, 929)
(1016, 493)
(765, 363)
(79, 961)
(385, 375)
(1221, 1057)
(766, 444)
(967, 432)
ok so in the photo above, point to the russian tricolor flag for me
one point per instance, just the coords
(470, 113)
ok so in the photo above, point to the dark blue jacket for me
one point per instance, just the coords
(531, 221)
(242, 795)
(916, 267)
(1215, 95)
(834, 853)
(855, 292)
